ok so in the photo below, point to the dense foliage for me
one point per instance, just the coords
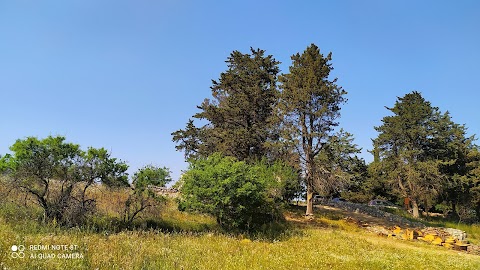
(240, 112)
(423, 154)
(308, 107)
(240, 196)
(58, 175)
(340, 172)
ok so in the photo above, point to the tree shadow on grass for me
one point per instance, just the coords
(270, 232)
(275, 231)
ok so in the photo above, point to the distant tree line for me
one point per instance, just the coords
(257, 115)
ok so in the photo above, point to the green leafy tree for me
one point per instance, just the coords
(309, 105)
(463, 182)
(142, 196)
(239, 114)
(193, 141)
(58, 175)
(472, 179)
(340, 171)
(282, 152)
(283, 179)
(376, 184)
(406, 147)
(456, 151)
(240, 196)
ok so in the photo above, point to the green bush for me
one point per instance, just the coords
(240, 196)
(58, 176)
(142, 198)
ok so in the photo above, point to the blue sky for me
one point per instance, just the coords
(125, 74)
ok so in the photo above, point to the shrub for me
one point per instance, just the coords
(240, 196)
(58, 175)
(142, 198)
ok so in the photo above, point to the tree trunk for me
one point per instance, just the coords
(454, 210)
(415, 209)
(309, 180)
(309, 201)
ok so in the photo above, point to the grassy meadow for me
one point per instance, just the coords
(316, 248)
(177, 240)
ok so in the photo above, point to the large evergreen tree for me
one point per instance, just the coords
(407, 144)
(472, 179)
(425, 156)
(240, 112)
(454, 149)
(309, 106)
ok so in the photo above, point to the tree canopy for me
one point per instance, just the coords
(57, 174)
(309, 107)
(239, 195)
(142, 197)
(239, 112)
(422, 151)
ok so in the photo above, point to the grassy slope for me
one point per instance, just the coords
(327, 244)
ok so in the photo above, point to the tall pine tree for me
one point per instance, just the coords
(239, 112)
(406, 144)
(309, 106)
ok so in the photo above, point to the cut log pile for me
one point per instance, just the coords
(446, 237)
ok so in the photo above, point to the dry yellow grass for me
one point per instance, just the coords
(332, 247)
(327, 243)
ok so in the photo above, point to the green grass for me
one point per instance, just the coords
(326, 243)
(170, 239)
(318, 248)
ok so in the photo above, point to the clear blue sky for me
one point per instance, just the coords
(125, 74)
